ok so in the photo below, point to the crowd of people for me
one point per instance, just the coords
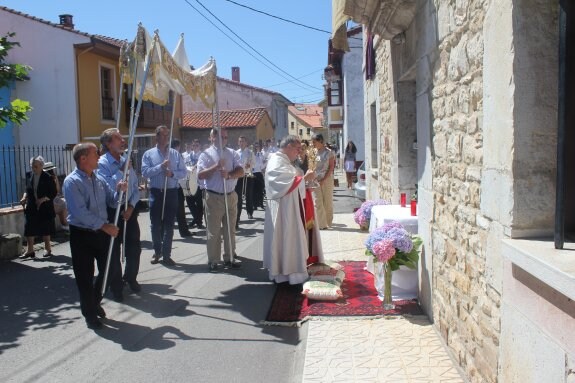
(101, 195)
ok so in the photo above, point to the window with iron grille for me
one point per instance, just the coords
(107, 92)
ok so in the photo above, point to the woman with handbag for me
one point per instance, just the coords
(349, 162)
(38, 202)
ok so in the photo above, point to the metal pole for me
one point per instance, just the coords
(559, 234)
(132, 102)
(169, 147)
(133, 124)
(232, 255)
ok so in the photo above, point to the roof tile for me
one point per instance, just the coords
(245, 118)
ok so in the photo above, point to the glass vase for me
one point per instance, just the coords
(382, 283)
(387, 298)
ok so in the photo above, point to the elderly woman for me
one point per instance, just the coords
(323, 195)
(38, 202)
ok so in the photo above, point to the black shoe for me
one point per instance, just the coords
(200, 226)
(186, 234)
(100, 312)
(94, 323)
(232, 265)
(47, 254)
(169, 262)
(29, 255)
(213, 267)
(134, 286)
(155, 259)
(118, 296)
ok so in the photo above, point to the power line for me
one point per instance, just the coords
(279, 18)
(282, 19)
(234, 41)
(252, 48)
(289, 82)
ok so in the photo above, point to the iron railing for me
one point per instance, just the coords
(15, 167)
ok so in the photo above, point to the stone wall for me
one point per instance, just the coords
(466, 307)
(387, 131)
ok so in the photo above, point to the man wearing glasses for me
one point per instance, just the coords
(219, 168)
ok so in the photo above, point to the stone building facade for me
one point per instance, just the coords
(465, 102)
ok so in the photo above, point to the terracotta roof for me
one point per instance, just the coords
(310, 114)
(108, 40)
(246, 118)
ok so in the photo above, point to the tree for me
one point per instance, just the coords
(18, 109)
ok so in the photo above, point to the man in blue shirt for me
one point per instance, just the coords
(219, 168)
(163, 166)
(88, 197)
(111, 168)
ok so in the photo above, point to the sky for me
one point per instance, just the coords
(286, 58)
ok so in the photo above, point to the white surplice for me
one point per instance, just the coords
(285, 237)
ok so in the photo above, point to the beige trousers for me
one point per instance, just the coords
(216, 223)
(323, 200)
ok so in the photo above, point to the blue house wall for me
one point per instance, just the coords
(8, 185)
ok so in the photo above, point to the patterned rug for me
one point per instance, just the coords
(290, 308)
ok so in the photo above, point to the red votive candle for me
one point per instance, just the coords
(402, 199)
(413, 207)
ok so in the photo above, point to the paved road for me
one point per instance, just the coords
(185, 325)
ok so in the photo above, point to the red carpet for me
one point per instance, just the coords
(290, 307)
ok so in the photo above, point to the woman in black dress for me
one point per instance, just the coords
(38, 202)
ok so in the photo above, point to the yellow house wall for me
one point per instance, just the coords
(264, 129)
(91, 122)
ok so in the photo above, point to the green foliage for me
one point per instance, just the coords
(18, 109)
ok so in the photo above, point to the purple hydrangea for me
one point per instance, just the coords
(393, 232)
(363, 215)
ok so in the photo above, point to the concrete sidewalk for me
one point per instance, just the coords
(372, 350)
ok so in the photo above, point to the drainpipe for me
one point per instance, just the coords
(559, 236)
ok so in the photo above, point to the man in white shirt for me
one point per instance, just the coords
(259, 187)
(195, 202)
(245, 185)
(219, 167)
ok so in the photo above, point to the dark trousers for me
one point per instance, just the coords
(132, 246)
(163, 231)
(196, 205)
(259, 189)
(248, 195)
(181, 215)
(86, 247)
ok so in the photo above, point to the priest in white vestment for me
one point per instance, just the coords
(286, 239)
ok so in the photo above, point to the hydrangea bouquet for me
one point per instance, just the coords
(393, 244)
(363, 214)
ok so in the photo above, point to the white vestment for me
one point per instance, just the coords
(285, 237)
